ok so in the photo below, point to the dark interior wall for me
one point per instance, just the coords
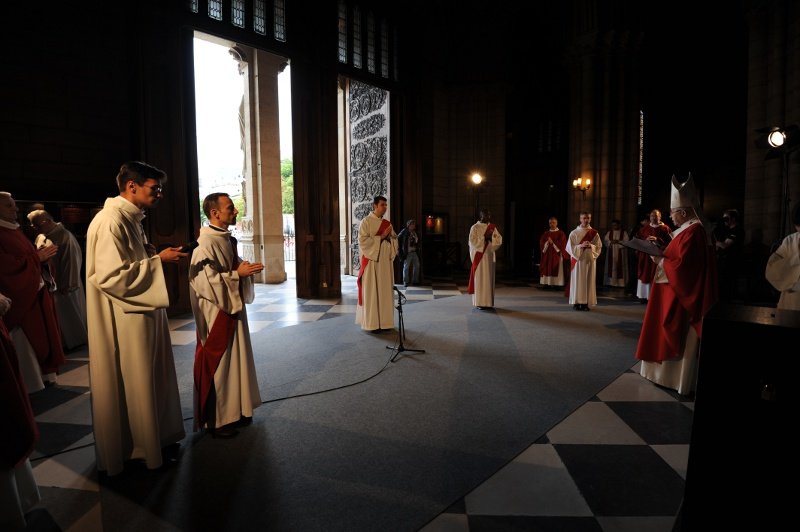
(694, 96)
(66, 95)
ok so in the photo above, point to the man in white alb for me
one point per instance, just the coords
(377, 242)
(135, 403)
(225, 384)
(584, 246)
(484, 239)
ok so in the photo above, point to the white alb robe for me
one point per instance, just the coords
(69, 298)
(616, 264)
(18, 495)
(377, 280)
(783, 272)
(135, 403)
(583, 276)
(216, 287)
(485, 272)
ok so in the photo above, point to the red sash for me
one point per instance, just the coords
(206, 361)
(587, 237)
(365, 261)
(477, 259)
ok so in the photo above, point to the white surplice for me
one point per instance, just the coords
(583, 276)
(377, 279)
(215, 287)
(484, 273)
(135, 403)
(783, 272)
(69, 297)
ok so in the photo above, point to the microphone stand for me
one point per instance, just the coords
(401, 328)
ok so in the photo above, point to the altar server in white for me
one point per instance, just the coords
(136, 408)
(225, 383)
(377, 242)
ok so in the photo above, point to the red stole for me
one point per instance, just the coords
(206, 361)
(587, 237)
(365, 261)
(477, 259)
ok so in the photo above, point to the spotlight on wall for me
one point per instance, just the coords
(778, 140)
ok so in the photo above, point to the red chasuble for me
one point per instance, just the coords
(32, 309)
(364, 260)
(645, 267)
(691, 267)
(477, 259)
(206, 361)
(552, 259)
(21, 432)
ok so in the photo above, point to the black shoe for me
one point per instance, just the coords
(576, 307)
(244, 421)
(171, 453)
(225, 432)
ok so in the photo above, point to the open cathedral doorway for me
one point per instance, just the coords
(243, 124)
(363, 123)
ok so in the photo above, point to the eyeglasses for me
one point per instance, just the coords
(158, 189)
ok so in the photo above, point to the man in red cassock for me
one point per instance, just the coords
(553, 245)
(645, 267)
(31, 321)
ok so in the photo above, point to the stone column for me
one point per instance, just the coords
(264, 190)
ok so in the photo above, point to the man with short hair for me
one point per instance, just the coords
(408, 245)
(377, 243)
(584, 246)
(225, 383)
(69, 298)
(31, 321)
(135, 402)
(484, 239)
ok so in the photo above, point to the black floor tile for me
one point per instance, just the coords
(623, 480)
(458, 507)
(51, 397)
(65, 506)
(314, 308)
(517, 523)
(54, 437)
(656, 422)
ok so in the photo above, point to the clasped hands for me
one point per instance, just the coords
(246, 269)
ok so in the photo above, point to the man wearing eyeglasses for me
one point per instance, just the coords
(135, 402)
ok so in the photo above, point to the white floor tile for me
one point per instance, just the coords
(75, 377)
(343, 308)
(677, 456)
(447, 523)
(594, 423)
(446, 293)
(633, 387)
(535, 483)
(178, 323)
(183, 337)
(278, 307)
(257, 325)
(322, 301)
(73, 469)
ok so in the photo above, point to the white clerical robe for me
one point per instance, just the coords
(377, 279)
(583, 277)
(69, 298)
(135, 403)
(616, 264)
(484, 273)
(783, 272)
(216, 286)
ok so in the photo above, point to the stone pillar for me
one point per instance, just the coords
(264, 189)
